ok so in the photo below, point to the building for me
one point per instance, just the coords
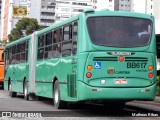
(68, 8)
(119, 5)
(47, 12)
(125, 5)
(12, 11)
(35, 8)
(142, 6)
(0, 14)
(4, 19)
(103, 4)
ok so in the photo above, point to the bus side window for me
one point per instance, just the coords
(48, 40)
(74, 38)
(66, 33)
(48, 45)
(67, 41)
(56, 48)
(18, 53)
(10, 55)
(40, 53)
(22, 57)
(22, 51)
(26, 51)
(41, 40)
(13, 57)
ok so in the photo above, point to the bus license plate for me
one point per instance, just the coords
(120, 81)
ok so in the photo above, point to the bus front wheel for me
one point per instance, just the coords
(11, 93)
(58, 103)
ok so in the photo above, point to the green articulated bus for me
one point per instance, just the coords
(94, 56)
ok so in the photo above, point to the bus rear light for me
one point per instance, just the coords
(88, 75)
(150, 75)
(121, 58)
(89, 67)
(150, 68)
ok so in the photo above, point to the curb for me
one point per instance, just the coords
(157, 98)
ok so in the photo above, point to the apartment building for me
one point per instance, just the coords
(68, 8)
(0, 14)
(47, 12)
(4, 19)
(119, 5)
(12, 11)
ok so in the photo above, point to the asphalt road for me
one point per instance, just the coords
(44, 107)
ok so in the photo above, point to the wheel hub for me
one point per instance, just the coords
(56, 96)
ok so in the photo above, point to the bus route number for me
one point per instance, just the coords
(136, 65)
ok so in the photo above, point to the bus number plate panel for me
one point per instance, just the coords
(120, 81)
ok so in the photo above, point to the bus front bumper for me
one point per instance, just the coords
(86, 92)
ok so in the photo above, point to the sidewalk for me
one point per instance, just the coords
(157, 99)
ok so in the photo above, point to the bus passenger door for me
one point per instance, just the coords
(69, 59)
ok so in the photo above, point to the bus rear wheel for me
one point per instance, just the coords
(58, 103)
(26, 95)
(11, 93)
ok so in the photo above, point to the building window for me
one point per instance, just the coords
(151, 6)
(23, 0)
(94, 7)
(110, 0)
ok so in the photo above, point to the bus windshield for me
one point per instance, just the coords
(119, 31)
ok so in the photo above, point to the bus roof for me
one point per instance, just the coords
(19, 40)
(91, 12)
(106, 12)
(58, 24)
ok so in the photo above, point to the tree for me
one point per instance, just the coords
(25, 26)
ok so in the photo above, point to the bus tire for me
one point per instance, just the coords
(26, 95)
(11, 93)
(58, 103)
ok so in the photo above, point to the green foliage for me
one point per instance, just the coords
(158, 83)
(24, 27)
